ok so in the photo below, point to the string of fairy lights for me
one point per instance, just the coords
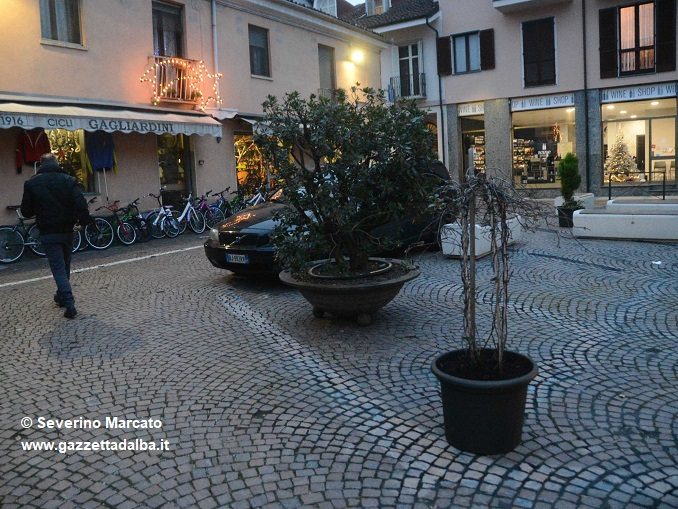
(181, 79)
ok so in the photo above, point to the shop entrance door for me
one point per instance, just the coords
(176, 171)
(640, 152)
(473, 137)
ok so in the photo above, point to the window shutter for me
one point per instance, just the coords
(444, 54)
(486, 49)
(607, 29)
(665, 52)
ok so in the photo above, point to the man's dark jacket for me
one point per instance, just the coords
(55, 199)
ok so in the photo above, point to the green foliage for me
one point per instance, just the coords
(570, 179)
(347, 164)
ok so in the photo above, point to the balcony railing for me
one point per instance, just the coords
(516, 5)
(411, 86)
(177, 79)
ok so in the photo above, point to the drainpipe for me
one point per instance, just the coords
(586, 100)
(215, 38)
(440, 99)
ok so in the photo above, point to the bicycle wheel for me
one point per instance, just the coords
(77, 240)
(33, 241)
(126, 233)
(11, 244)
(100, 237)
(142, 228)
(213, 216)
(182, 224)
(170, 225)
(196, 221)
(155, 225)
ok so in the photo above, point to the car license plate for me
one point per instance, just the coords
(236, 258)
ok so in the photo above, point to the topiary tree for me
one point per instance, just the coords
(347, 165)
(570, 179)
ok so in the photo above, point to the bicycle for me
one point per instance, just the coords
(99, 233)
(123, 229)
(212, 213)
(227, 207)
(15, 238)
(191, 216)
(162, 221)
(130, 214)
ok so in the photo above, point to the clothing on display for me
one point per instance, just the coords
(100, 153)
(31, 145)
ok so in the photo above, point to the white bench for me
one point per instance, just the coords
(637, 223)
(450, 238)
(650, 204)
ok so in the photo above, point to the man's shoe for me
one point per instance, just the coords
(58, 301)
(70, 312)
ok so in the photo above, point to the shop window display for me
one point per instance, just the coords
(646, 130)
(253, 172)
(69, 149)
(473, 136)
(540, 139)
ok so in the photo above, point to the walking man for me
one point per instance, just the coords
(57, 202)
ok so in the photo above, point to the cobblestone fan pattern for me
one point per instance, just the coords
(266, 406)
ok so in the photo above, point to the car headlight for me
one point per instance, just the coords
(214, 235)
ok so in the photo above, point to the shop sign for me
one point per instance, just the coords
(638, 92)
(470, 109)
(158, 125)
(542, 102)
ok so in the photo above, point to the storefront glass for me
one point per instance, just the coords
(175, 170)
(639, 141)
(253, 171)
(473, 139)
(540, 139)
(69, 149)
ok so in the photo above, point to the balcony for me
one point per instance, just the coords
(176, 80)
(407, 86)
(506, 6)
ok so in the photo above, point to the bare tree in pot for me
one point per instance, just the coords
(483, 385)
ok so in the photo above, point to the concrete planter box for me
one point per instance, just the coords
(450, 238)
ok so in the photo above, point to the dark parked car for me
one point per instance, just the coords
(242, 243)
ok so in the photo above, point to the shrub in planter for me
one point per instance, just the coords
(347, 165)
(483, 385)
(570, 179)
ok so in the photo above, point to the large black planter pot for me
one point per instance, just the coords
(565, 217)
(356, 298)
(483, 417)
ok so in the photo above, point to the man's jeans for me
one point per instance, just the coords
(58, 247)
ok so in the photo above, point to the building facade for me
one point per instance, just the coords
(135, 95)
(530, 81)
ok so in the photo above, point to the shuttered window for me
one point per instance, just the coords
(539, 52)
(444, 55)
(638, 38)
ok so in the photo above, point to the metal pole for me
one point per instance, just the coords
(664, 185)
(609, 187)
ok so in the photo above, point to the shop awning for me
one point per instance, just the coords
(28, 116)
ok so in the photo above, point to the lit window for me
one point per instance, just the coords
(60, 20)
(259, 54)
(636, 38)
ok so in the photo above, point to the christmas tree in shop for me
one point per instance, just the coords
(619, 162)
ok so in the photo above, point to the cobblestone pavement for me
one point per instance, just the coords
(265, 406)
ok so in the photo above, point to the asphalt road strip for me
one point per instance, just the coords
(103, 265)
